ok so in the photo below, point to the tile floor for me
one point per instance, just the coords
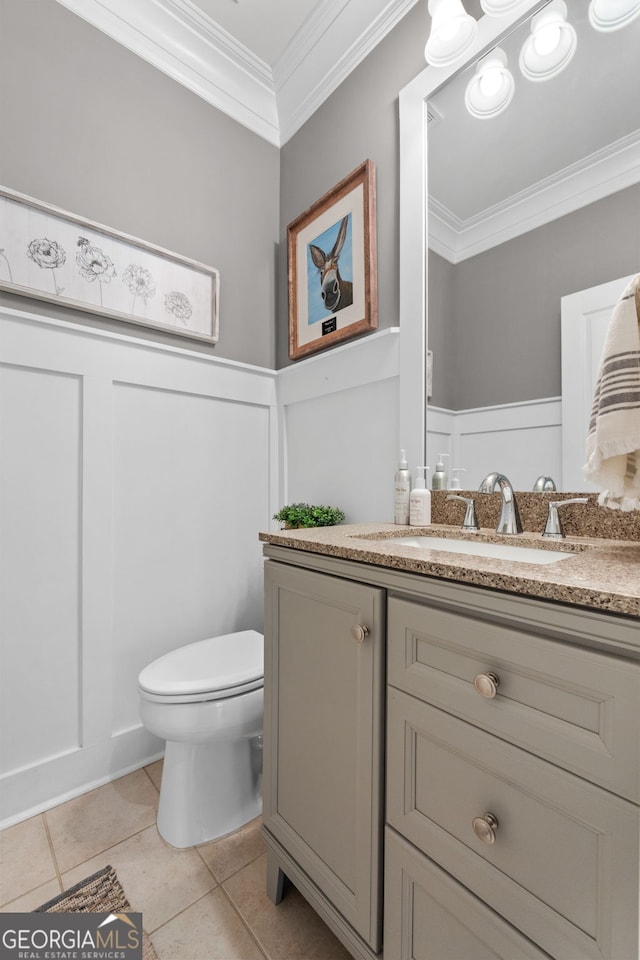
(203, 903)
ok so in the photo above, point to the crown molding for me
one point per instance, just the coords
(601, 173)
(333, 41)
(187, 46)
(180, 40)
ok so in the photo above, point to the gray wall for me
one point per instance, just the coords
(92, 128)
(504, 304)
(358, 122)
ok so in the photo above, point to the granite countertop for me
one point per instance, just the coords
(602, 574)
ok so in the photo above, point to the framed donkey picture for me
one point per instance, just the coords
(332, 269)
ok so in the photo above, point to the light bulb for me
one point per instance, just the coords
(490, 81)
(607, 15)
(546, 39)
(491, 88)
(551, 44)
(453, 31)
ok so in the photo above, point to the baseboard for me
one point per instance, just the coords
(63, 778)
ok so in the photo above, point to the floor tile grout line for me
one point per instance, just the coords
(105, 850)
(254, 936)
(233, 873)
(182, 910)
(52, 851)
(146, 770)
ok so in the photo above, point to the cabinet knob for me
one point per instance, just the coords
(485, 828)
(359, 633)
(487, 685)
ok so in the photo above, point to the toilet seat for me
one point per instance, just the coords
(212, 669)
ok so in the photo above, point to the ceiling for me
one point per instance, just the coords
(269, 64)
(561, 144)
(264, 28)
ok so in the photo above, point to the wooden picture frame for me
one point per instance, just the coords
(50, 254)
(332, 266)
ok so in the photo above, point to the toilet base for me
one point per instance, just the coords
(209, 789)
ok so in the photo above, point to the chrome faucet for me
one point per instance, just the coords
(509, 521)
(543, 484)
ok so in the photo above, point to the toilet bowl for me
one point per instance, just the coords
(206, 700)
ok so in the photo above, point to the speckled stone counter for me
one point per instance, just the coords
(578, 519)
(602, 574)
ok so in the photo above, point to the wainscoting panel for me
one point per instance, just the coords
(189, 499)
(521, 440)
(340, 414)
(40, 537)
(134, 480)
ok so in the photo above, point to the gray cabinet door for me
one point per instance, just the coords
(429, 916)
(324, 710)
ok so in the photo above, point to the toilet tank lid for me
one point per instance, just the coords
(218, 663)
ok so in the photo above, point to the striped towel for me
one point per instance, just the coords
(613, 442)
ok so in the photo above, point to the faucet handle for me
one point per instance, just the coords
(553, 529)
(469, 522)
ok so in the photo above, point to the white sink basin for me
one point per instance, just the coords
(481, 548)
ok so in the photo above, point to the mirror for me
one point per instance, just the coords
(525, 208)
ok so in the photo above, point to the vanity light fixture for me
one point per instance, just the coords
(498, 8)
(490, 90)
(453, 31)
(551, 45)
(606, 15)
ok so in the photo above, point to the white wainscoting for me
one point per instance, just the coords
(339, 420)
(134, 479)
(521, 440)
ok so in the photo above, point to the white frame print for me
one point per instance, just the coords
(53, 255)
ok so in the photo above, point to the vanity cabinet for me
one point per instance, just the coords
(323, 732)
(510, 729)
(512, 762)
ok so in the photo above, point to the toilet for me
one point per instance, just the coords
(206, 700)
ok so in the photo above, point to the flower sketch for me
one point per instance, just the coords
(94, 264)
(179, 305)
(6, 260)
(140, 283)
(48, 254)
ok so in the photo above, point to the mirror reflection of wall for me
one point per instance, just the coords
(524, 208)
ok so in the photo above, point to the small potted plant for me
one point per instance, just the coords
(296, 515)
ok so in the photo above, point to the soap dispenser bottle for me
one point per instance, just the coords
(439, 479)
(402, 483)
(420, 502)
(455, 481)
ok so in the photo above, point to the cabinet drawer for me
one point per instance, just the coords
(563, 867)
(428, 915)
(577, 708)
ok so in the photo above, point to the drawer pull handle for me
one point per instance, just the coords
(485, 828)
(359, 633)
(487, 685)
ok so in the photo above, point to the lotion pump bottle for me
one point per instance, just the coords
(420, 502)
(439, 478)
(455, 481)
(402, 485)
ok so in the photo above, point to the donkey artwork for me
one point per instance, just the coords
(336, 293)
